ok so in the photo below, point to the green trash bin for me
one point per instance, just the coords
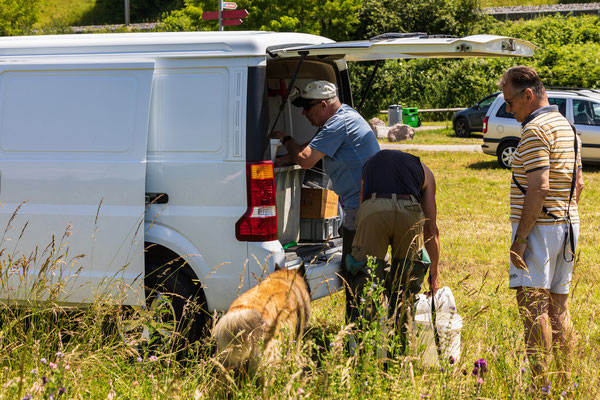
(410, 116)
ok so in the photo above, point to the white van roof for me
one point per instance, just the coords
(183, 44)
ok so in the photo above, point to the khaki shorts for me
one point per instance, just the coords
(547, 267)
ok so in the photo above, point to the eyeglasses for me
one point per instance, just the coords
(308, 106)
(509, 101)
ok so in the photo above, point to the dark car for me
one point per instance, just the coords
(471, 119)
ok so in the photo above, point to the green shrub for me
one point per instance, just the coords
(17, 16)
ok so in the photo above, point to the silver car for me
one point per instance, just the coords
(501, 132)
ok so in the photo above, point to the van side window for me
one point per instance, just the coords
(586, 112)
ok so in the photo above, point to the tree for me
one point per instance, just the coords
(17, 16)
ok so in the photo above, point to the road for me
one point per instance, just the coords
(432, 147)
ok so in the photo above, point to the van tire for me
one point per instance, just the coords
(506, 152)
(170, 279)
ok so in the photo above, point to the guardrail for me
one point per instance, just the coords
(426, 110)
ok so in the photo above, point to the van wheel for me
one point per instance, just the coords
(175, 300)
(462, 128)
(506, 152)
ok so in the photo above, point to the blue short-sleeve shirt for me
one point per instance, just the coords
(347, 142)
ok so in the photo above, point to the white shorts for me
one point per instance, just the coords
(547, 267)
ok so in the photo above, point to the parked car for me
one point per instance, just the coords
(501, 132)
(471, 119)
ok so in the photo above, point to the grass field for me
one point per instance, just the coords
(47, 348)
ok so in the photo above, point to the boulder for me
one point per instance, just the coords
(400, 132)
(381, 131)
(375, 122)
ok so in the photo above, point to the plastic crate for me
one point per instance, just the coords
(319, 229)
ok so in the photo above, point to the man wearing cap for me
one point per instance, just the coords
(344, 142)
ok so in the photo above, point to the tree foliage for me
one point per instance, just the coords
(567, 56)
(447, 17)
(17, 16)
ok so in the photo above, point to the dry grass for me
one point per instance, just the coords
(474, 227)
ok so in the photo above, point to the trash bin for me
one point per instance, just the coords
(394, 114)
(410, 116)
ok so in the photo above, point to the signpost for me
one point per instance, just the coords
(227, 15)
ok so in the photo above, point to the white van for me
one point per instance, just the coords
(120, 153)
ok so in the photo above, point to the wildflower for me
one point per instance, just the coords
(67, 367)
(58, 354)
(61, 390)
(564, 393)
(152, 358)
(43, 360)
(139, 359)
(442, 369)
(480, 367)
(136, 383)
(546, 389)
(522, 370)
(27, 397)
(51, 397)
(52, 365)
(480, 380)
(33, 371)
(451, 360)
(44, 380)
(362, 300)
(575, 385)
(300, 391)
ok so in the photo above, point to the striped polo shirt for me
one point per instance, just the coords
(546, 143)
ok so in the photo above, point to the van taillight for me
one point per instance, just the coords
(485, 121)
(259, 222)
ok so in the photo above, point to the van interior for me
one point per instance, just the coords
(300, 238)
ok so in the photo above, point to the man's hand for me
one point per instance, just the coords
(278, 135)
(516, 255)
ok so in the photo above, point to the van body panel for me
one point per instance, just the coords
(72, 167)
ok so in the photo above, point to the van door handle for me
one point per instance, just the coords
(157, 198)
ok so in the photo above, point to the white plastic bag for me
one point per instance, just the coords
(448, 323)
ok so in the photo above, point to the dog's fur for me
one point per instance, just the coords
(248, 334)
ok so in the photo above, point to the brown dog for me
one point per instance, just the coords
(256, 321)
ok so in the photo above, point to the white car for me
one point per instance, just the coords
(501, 132)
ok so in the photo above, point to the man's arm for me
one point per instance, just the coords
(538, 186)
(303, 155)
(432, 235)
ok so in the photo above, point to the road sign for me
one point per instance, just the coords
(229, 5)
(225, 14)
(228, 22)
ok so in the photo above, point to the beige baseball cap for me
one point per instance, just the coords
(315, 90)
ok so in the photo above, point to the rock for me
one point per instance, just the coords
(400, 132)
(375, 122)
(381, 132)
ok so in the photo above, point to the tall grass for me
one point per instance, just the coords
(46, 347)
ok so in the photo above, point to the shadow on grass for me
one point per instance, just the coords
(492, 164)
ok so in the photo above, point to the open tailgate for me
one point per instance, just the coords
(416, 47)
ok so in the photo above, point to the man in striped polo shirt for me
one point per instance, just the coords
(545, 223)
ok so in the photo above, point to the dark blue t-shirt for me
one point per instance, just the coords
(393, 171)
(347, 142)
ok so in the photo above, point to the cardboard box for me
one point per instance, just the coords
(318, 203)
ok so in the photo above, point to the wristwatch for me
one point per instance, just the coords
(285, 139)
